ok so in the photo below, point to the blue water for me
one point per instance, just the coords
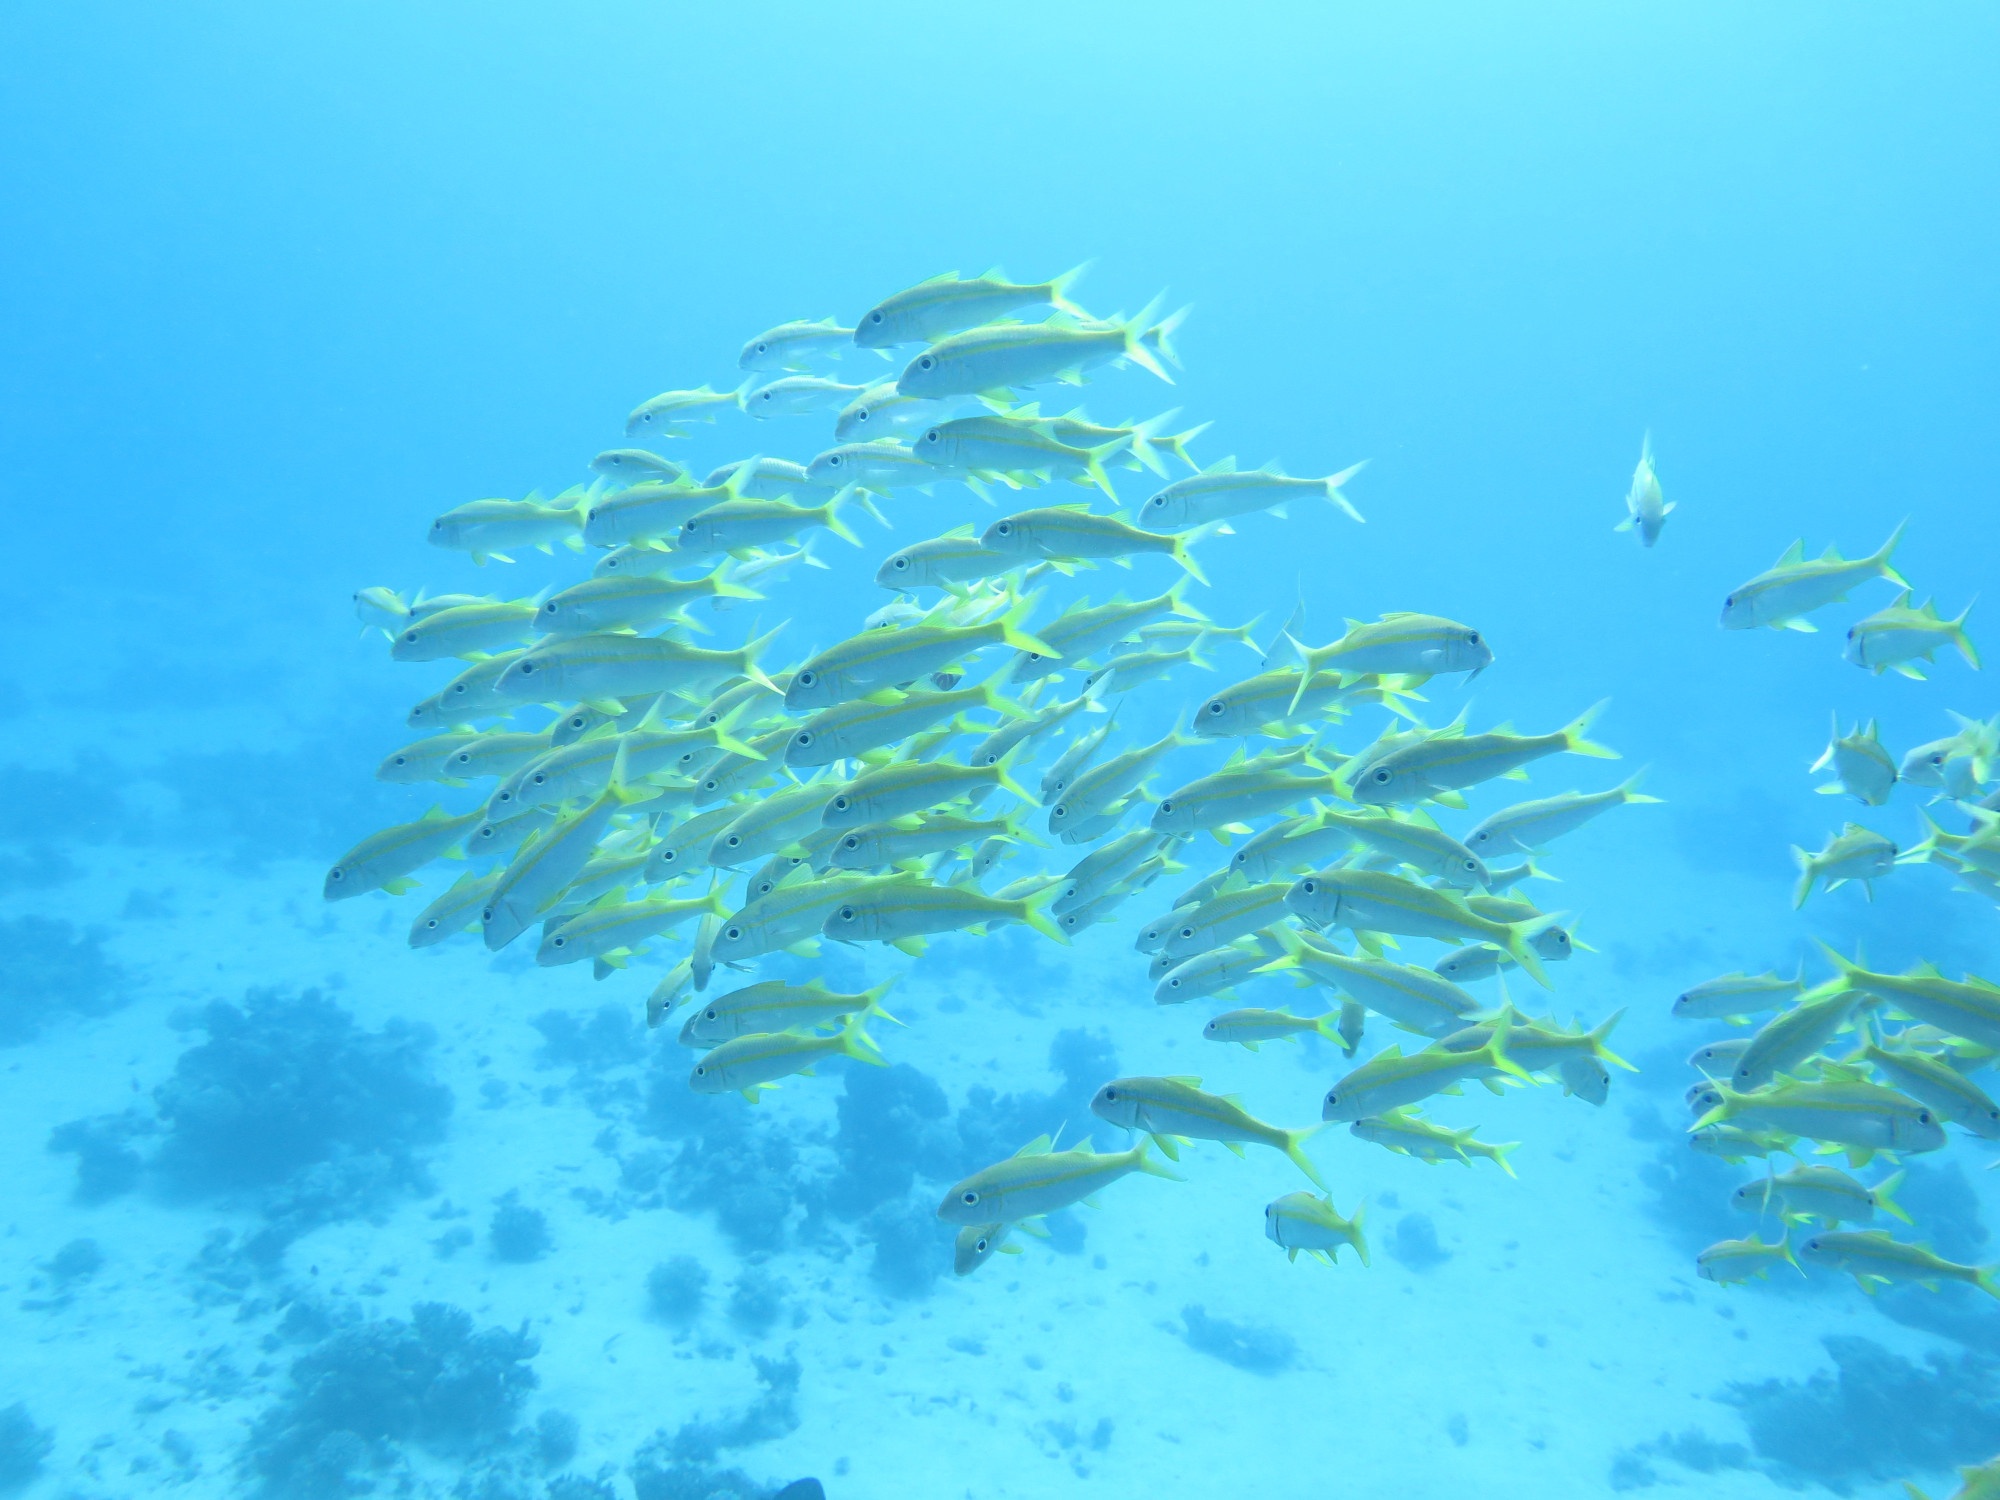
(294, 1210)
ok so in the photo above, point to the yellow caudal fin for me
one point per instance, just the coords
(858, 1045)
(1880, 559)
(1573, 732)
(1520, 940)
(1294, 1147)
(1152, 1168)
(1884, 1195)
(1599, 1032)
(1335, 481)
(1807, 874)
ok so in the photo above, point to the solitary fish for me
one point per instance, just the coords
(1303, 1221)
(1529, 827)
(1645, 507)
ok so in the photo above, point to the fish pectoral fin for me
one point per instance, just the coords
(913, 946)
(399, 885)
(1236, 1146)
(1804, 627)
(1169, 1147)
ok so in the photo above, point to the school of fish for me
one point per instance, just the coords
(704, 807)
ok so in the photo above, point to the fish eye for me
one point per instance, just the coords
(431, 925)
(833, 461)
(409, 635)
(1005, 528)
(934, 436)
(733, 933)
(1309, 887)
(1167, 806)
(1923, 1117)
(1472, 638)
(847, 914)
(1059, 811)
(1729, 602)
(486, 915)
(968, 1198)
(551, 607)
(1110, 1094)
(336, 874)
(807, 679)
(401, 760)
(852, 841)
(899, 562)
(875, 317)
(708, 1015)
(1159, 500)
(526, 668)
(925, 362)
(735, 839)
(803, 738)
(560, 942)
(840, 804)
(765, 395)
(1385, 774)
(761, 348)
(701, 1070)
(1216, 707)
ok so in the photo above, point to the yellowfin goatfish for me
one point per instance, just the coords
(736, 526)
(880, 465)
(1794, 587)
(426, 760)
(484, 527)
(1136, 440)
(1408, 1133)
(774, 1006)
(1733, 996)
(1728, 1262)
(653, 513)
(1037, 1181)
(1529, 827)
(1084, 630)
(633, 603)
(1792, 1036)
(1416, 999)
(1864, 1117)
(1303, 1221)
(383, 861)
(792, 346)
(1249, 1027)
(748, 1064)
(470, 630)
(1390, 1080)
(851, 729)
(883, 411)
(1411, 773)
(1004, 356)
(543, 868)
(1824, 1193)
(896, 910)
(875, 658)
(1874, 1258)
(1861, 766)
(632, 465)
(1374, 901)
(456, 911)
(1405, 644)
(667, 414)
(1898, 636)
(1645, 507)
(1242, 790)
(1213, 972)
(1422, 846)
(600, 669)
(1222, 491)
(1968, 1008)
(798, 396)
(1070, 532)
(612, 926)
(949, 303)
(1008, 445)
(1856, 853)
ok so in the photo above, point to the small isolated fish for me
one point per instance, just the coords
(1794, 587)
(384, 861)
(948, 304)
(1247, 1028)
(1000, 357)
(793, 346)
(1730, 1262)
(750, 1064)
(1176, 1110)
(1529, 827)
(633, 465)
(1037, 1181)
(485, 528)
(1856, 853)
(1399, 644)
(1304, 1221)
(1733, 996)
(1824, 1193)
(667, 414)
(1411, 773)
(1222, 491)
(1645, 507)
(1897, 637)
(1874, 1258)
(1408, 1132)
(1070, 533)
(798, 396)
(1861, 766)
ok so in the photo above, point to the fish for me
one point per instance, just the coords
(1861, 766)
(1069, 533)
(667, 414)
(1730, 1262)
(1123, 673)
(1101, 869)
(898, 909)
(739, 526)
(1215, 971)
(882, 411)
(1000, 357)
(674, 987)
(799, 396)
(1083, 630)
(851, 730)
(683, 845)
(877, 658)
(1224, 917)
(614, 603)
(1855, 853)
(1013, 446)
(1732, 1143)
(382, 609)
(385, 861)
(1416, 999)
(879, 466)
(470, 631)
(793, 346)
(456, 911)
(605, 668)
(615, 926)
(750, 1064)
(537, 874)
(791, 915)
(1529, 827)
(1937, 1083)
(482, 528)
(1976, 1482)
(1864, 1117)
(1874, 1258)
(1646, 509)
(948, 304)
(1412, 773)
(1222, 492)
(1980, 849)
(893, 843)
(1291, 845)
(1897, 637)
(651, 515)
(911, 786)
(775, 1006)
(945, 562)
(635, 465)
(1824, 1193)
(767, 825)
(1718, 1058)
(1398, 644)
(1249, 1027)
(1027, 730)
(766, 478)
(427, 759)
(1407, 1132)
(976, 1244)
(1176, 1110)
(1037, 1180)
(1390, 1080)
(1735, 995)
(1792, 1036)
(1376, 902)
(1792, 588)
(1076, 756)
(1093, 791)
(1225, 801)
(1135, 440)
(1422, 846)
(1303, 1221)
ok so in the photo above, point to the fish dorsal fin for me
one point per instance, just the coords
(995, 273)
(941, 276)
(1040, 1145)
(1272, 466)
(1222, 466)
(1796, 553)
(1184, 1080)
(967, 530)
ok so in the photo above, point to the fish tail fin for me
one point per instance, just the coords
(1501, 1151)
(874, 998)
(1152, 1168)
(1884, 1195)
(1335, 481)
(1185, 558)
(1599, 1032)
(1573, 734)
(1177, 444)
(1295, 1148)
(1520, 936)
(1961, 640)
(1806, 877)
(1629, 791)
(1013, 633)
(1497, 1045)
(754, 649)
(833, 521)
(1887, 551)
(1987, 1279)
(1031, 912)
(1162, 336)
(858, 1045)
(1145, 439)
(1060, 286)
